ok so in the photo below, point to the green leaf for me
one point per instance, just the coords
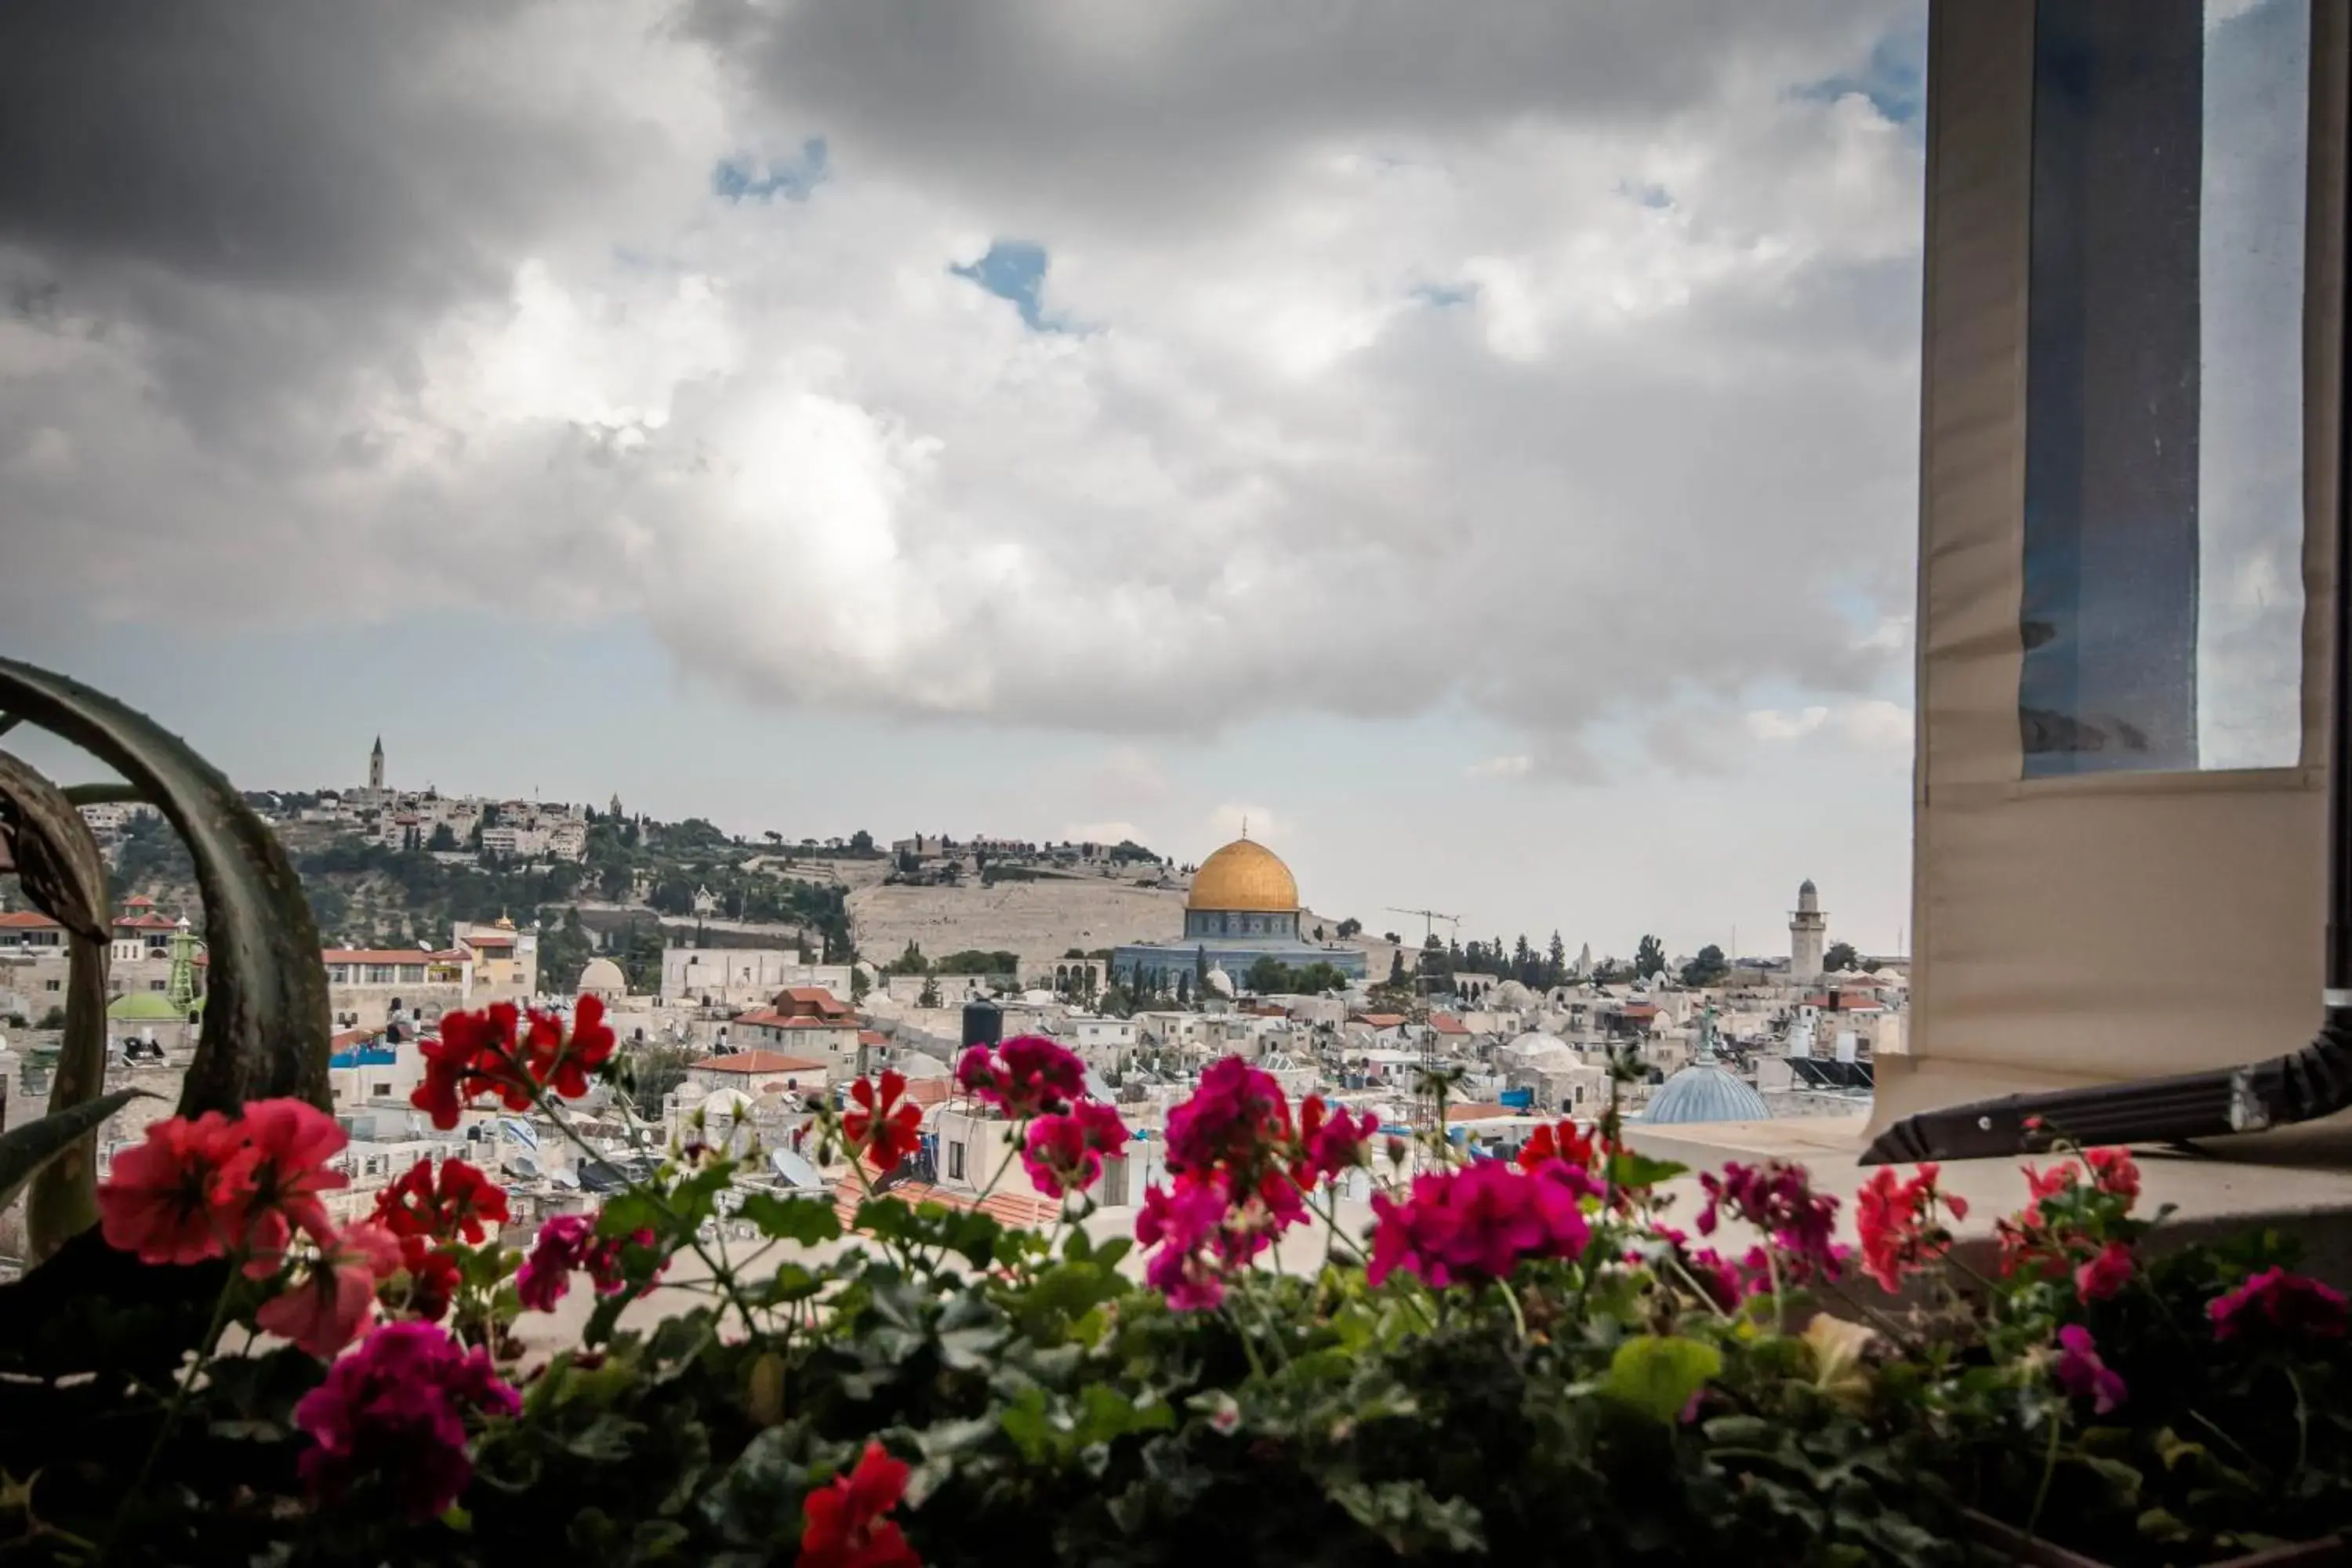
(1629, 1170)
(1657, 1376)
(806, 1220)
(24, 1150)
(628, 1212)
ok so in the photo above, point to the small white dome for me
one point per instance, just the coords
(1218, 981)
(603, 978)
(725, 1105)
(1510, 994)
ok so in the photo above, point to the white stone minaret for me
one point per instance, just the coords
(1808, 928)
(376, 765)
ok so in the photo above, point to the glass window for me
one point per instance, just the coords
(2163, 605)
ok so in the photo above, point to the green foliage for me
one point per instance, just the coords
(1272, 977)
(1840, 956)
(1708, 968)
(1649, 957)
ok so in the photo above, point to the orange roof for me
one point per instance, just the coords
(756, 1062)
(768, 1018)
(501, 940)
(349, 1037)
(1024, 1210)
(137, 901)
(1380, 1020)
(872, 1037)
(26, 920)
(1454, 1113)
(1639, 1010)
(1447, 1024)
(815, 996)
(144, 922)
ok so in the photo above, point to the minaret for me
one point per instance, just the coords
(376, 765)
(1807, 927)
(181, 989)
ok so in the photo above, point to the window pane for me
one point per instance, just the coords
(2163, 603)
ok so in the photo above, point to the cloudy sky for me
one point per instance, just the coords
(1475, 442)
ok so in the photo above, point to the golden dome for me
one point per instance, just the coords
(1244, 876)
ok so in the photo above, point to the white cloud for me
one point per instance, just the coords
(1515, 765)
(564, 378)
(1232, 821)
(1785, 724)
(1875, 725)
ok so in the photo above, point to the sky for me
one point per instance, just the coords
(1476, 444)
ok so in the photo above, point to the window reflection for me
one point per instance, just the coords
(2162, 610)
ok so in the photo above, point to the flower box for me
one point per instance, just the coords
(2033, 1553)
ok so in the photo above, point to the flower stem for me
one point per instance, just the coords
(173, 1411)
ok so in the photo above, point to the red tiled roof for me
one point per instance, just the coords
(872, 1037)
(26, 920)
(501, 940)
(756, 1062)
(1639, 1010)
(137, 901)
(768, 1018)
(1020, 1209)
(144, 922)
(349, 1037)
(1379, 1020)
(1454, 1113)
(825, 1002)
(1447, 1024)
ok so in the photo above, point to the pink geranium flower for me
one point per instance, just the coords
(1026, 1077)
(324, 1308)
(1181, 1222)
(395, 1411)
(1064, 1151)
(2293, 1304)
(2082, 1374)
(1475, 1223)
(569, 1244)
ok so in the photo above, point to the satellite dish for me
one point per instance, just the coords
(567, 1179)
(523, 1165)
(793, 1169)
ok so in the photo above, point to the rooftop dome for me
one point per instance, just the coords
(1705, 1093)
(1536, 1043)
(1807, 886)
(1244, 876)
(603, 977)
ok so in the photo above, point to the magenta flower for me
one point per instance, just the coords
(566, 1244)
(395, 1408)
(1026, 1077)
(1778, 1200)
(1330, 1141)
(2293, 1304)
(1475, 1223)
(1183, 1223)
(1235, 1121)
(1064, 1151)
(2082, 1374)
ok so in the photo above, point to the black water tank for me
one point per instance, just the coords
(984, 1022)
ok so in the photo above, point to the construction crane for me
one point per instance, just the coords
(1429, 920)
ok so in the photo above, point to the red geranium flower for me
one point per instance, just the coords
(1567, 1143)
(1896, 1222)
(1329, 1141)
(2104, 1274)
(163, 1200)
(2113, 1172)
(843, 1524)
(883, 1128)
(460, 1202)
(491, 1052)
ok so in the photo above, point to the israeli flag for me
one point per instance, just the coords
(521, 1132)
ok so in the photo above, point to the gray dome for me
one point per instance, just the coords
(1705, 1094)
(1807, 886)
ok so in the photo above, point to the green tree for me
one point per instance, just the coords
(930, 993)
(1709, 968)
(1649, 957)
(910, 961)
(443, 839)
(54, 1018)
(861, 843)
(858, 985)
(1840, 955)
